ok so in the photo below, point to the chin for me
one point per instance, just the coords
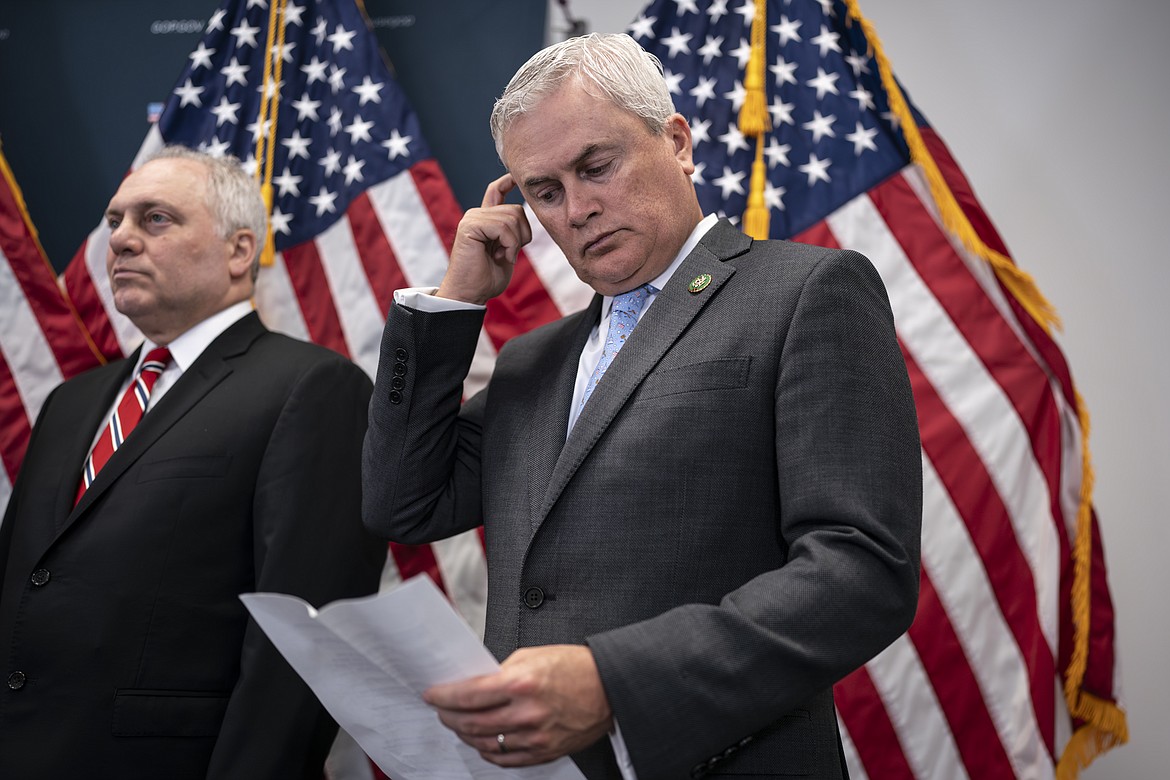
(617, 277)
(127, 306)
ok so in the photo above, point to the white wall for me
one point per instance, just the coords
(1059, 112)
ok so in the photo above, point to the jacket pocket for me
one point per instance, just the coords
(187, 467)
(150, 713)
(722, 374)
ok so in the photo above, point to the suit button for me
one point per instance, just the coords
(400, 354)
(399, 369)
(533, 598)
(395, 397)
(39, 577)
(16, 680)
(397, 383)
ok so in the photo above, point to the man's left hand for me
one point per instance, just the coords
(547, 702)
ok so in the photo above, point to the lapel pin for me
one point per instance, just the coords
(699, 283)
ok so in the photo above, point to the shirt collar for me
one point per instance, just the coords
(705, 224)
(190, 345)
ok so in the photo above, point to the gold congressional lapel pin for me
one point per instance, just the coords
(699, 283)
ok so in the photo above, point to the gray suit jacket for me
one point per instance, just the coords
(731, 526)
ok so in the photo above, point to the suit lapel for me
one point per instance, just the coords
(208, 370)
(667, 319)
(551, 409)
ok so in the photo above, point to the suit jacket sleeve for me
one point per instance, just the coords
(420, 459)
(849, 487)
(308, 540)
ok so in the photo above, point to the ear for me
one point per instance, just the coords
(679, 133)
(242, 248)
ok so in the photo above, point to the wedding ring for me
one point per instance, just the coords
(500, 742)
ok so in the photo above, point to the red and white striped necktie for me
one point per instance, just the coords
(126, 416)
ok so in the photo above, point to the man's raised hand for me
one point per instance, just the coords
(487, 243)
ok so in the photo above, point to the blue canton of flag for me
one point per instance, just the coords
(832, 134)
(343, 123)
(359, 208)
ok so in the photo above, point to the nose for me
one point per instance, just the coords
(581, 205)
(123, 239)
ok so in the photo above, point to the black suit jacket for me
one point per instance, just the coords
(126, 650)
(732, 525)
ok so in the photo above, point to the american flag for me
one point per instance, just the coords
(1009, 669)
(42, 341)
(359, 206)
(1014, 597)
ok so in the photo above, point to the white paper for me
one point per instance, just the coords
(368, 660)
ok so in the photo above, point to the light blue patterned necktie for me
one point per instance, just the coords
(623, 316)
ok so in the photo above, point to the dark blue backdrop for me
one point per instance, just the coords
(76, 77)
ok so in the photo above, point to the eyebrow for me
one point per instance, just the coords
(143, 205)
(585, 154)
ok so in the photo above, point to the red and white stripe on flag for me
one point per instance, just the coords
(41, 339)
(974, 688)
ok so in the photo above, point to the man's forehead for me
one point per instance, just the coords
(166, 181)
(556, 140)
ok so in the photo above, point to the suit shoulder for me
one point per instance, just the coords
(300, 351)
(285, 356)
(792, 259)
(806, 254)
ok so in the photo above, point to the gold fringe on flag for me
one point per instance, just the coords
(269, 109)
(1014, 278)
(1106, 726)
(754, 122)
(1105, 722)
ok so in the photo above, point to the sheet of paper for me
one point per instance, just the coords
(369, 660)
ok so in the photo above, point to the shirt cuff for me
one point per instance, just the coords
(621, 753)
(424, 299)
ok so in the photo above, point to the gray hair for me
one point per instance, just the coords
(233, 195)
(612, 67)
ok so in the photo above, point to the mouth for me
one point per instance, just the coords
(600, 244)
(122, 274)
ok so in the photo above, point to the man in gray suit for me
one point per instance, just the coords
(691, 539)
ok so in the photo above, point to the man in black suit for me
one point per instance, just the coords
(689, 542)
(126, 650)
